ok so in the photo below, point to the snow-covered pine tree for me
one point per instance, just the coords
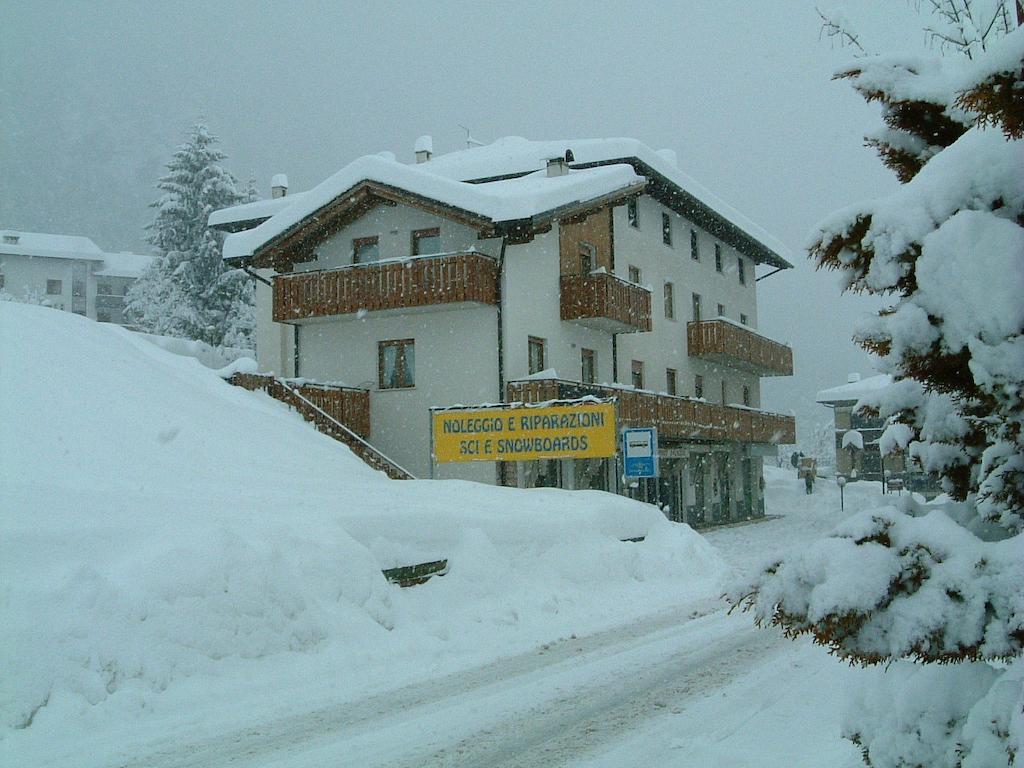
(188, 291)
(935, 592)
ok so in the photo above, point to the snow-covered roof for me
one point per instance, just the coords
(497, 201)
(514, 155)
(18, 243)
(855, 390)
(124, 265)
(255, 211)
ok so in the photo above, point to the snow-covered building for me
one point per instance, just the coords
(858, 451)
(526, 272)
(68, 272)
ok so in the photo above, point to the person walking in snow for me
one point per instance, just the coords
(808, 483)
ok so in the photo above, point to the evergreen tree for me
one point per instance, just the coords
(935, 592)
(188, 292)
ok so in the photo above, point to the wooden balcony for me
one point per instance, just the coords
(605, 302)
(735, 346)
(680, 418)
(419, 281)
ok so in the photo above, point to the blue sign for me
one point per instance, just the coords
(640, 452)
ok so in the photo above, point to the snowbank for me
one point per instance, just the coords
(170, 542)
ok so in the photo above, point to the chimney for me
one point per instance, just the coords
(279, 185)
(853, 378)
(559, 166)
(424, 148)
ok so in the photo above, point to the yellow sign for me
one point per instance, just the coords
(584, 431)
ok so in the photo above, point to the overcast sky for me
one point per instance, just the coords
(97, 95)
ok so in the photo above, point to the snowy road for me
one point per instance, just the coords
(542, 708)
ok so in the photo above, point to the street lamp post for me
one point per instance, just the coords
(841, 482)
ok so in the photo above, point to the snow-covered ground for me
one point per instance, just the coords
(191, 575)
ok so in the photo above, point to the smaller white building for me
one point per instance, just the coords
(68, 272)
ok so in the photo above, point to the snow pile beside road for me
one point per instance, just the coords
(170, 543)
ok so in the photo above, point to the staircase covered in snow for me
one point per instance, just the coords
(342, 413)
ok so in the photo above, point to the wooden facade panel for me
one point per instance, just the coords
(596, 231)
(603, 297)
(679, 418)
(738, 347)
(415, 282)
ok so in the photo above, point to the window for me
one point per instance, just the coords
(698, 386)
(634, 274)
(670, 380)
(631, 214)
(746, 395)
(724, 390)
(396, 364)
(102, 316)
(589, 366)
(104, 289)
(743, 318)
(586, 251)
(11, 239)
(741, 270)
(666, 229)
(1, 281)
(718, 257)
(694, 246)
(670, 306)
(535, 354)
(426, 242)
(637, 374)
(721, 310)
(54, 287)
(365, 250)
(696, 307)
(78, 288)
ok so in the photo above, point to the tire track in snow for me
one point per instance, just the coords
(531, 709)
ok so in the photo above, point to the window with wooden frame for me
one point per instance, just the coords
(696, 307)
(743, 319)
(396, 364)
(666, 229)
(535, 354)
(54, 287)
(746, 395)
(365, 250)
(587, 254)
(741, 270)
(636, 371)
(634, 274)
(588, 366)
(670, 303)
(721, 310)
(670, 380)
(718, 257)
(632, 215)
(698, 386)
(694, 245)
(426, 242)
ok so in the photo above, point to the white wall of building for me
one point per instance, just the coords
(28, 275)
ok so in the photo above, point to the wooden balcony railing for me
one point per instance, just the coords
(732, 345)
(418, 281)
(603, 301)
(348, 405)
(681, 418)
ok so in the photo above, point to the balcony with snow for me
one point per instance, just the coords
(682, 418)
(605, 302)
(734, 345)
(437, 281)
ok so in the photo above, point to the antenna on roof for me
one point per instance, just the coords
(470, 141)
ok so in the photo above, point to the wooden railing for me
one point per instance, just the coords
(606, 302)
(311, 401)
(414, 282)
(738, 347)
(681, 418)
